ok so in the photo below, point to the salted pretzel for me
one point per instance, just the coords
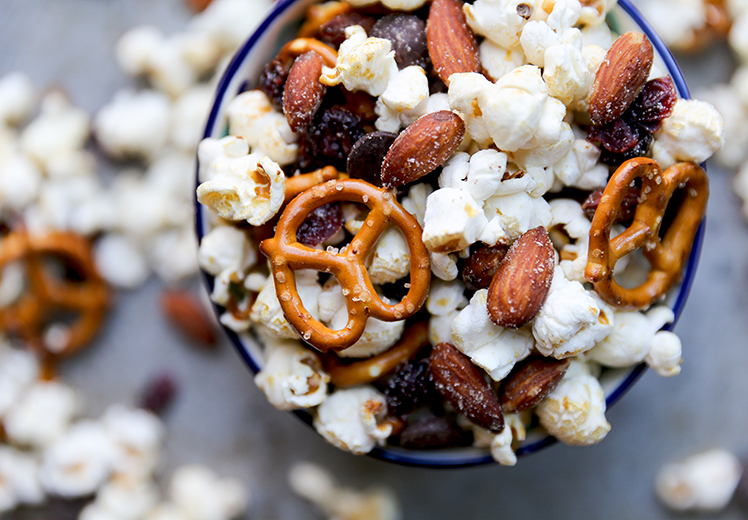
(319, 14)
(667, 255)
(368, 370)
(295, 48)
(51, 294)
(286, 254)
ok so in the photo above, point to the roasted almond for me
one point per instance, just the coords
(523, 279)
(451, 43)
(185, 312)
(303, 93)
(621, 77)
(481, 265)
(422, 147)
(465, 387)
(531, 380)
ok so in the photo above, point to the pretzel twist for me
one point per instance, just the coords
(666, 256)
(88, 298)
(286, 254)
(368, 370)
(295, 48)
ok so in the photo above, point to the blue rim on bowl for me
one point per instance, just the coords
(281, 20)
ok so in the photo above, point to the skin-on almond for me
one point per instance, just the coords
(303, 93)
(421, 147)
(530, 381)
(621, 77)
(185, 312)
(464, 386)
(451, 43)
(523, 279)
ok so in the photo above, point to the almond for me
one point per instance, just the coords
(185, 312)
(303, 93)
(422, 147)
(465, 387)
(621, 77)
(531, 380)
(523, 279)
(452, 45)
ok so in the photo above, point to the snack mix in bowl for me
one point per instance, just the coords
(450, 232)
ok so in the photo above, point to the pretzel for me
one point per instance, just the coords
(295, 48)
(319, 14)
(300, 183)
(48, 294)
(368, 370)
(667, 256)
(348, 266)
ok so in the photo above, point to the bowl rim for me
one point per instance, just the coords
(446, 458)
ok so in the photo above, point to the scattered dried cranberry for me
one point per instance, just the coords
(407, 33)
(365, 159)
(479, 268)
(329, 140)
(655, 103)
(158, 393)
(625, 210)
(409, 388)
(321, 224)
(273, 82)
(333, 32)
(430, 433)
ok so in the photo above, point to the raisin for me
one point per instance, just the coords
(329, 140)
(617, 136)
(409, 388)
(158, 393)
(481, 265)
(333, 32)
(365, 159)
(407, 33)
(273, 82)
(428, 433)
(321, 224)
(655, 103)
(625, 211)
(640, 149)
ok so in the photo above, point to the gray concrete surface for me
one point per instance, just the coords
(221, 419)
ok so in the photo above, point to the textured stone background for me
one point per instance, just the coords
(221, 419)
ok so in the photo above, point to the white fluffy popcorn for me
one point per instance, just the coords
(292, 377)
(137, 436)
(495, 349)
(120, 262)
(226, 248)
(200, 494)
(19, 479)
(121, 499)
(514, 214)
(727, 100)
(404, 100)
(572, 320)
(229, 22)
(249, 187)
(42, 414)
(676, 21)
(498, 60)
(267, 310)
(443, 266)
(189, 115)
(416, 200)
(693, 132)
(351, 419)
(20, 179)
(704, 482)
(453, 220)
(501, 21)
(389, 260)
(481, 174)
(366, 64)
(173, 254)
(501, 448)
(665, 354)
(17, 98)
(445, 297)
(574, 412)
(133, 124)
(377, 337)
(19, 369)
(579, 167)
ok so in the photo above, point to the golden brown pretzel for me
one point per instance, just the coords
(666, 256)
(47, 294)
(368, 370)
(295, 48)
(286, 254)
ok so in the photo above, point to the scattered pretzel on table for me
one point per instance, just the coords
(86, 295)
(667, 256)
(286, 254)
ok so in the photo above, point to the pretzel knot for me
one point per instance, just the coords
(286, 254)
(62, 282)
(666, 255)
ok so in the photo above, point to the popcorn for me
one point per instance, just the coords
(389, 259)
(404, 100)
(514, 215)
(352, 419)
(226, 248)
(726, 99)
(378, 335)
(416, 201)
(19, 369)
(366, 64)
(480, 174)
(228, 22)
(501, 448)
(19, 479)
(249, 187)
(133, 124)
(137, 436)
(704, 482)
(495, 349)
(199, 494)
(574, 412)
(292, 377)
(664, 354)
(453, 220)
(120, 262)
(498, 60)
(20, 180)
(445, 297)
(501, 21)
(122, 500)
(693, 132)
(443, 266)
(173, 254)
(677, 22)
(267, 311)
(572, 320)
(17, 98)
(189, 116)
(579, 168)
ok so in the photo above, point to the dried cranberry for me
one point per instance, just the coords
(407, 33)
(640, 149)
(409, 388)
(617, 136)
(321, 224)
(625, 211)
(333, 32)
(273, 82)
(428, 433)
(158, 393)
(329, 140)
(365, 159)
(481, 265)
(655, 103)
